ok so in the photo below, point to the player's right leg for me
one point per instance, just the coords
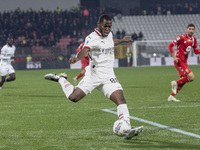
(174, 86)
(55, 77)
(72, 94)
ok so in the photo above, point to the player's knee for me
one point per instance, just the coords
(13, 78)
(3, 79)
(191, 78)
(73, 98)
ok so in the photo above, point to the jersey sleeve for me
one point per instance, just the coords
(173, 43)
(196, 51)
(177, 40)
(90, 42)
(80, 47)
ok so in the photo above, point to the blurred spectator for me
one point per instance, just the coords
(118, 34)
(134, 37)
(46, 28)
(140, 36)
(123, 33)
(85, 12)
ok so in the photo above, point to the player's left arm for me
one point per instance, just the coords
(196, 50)
(124, 40)
(13, 56)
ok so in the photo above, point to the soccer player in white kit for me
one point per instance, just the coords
(7, 57)
(99, 73)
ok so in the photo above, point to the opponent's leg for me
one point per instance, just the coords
(177, 85)
(82, 73)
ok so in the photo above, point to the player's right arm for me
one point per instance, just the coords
(79, 56)
(90, 43)
(3, 54)
(171, 45)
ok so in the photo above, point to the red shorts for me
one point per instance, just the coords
(84, 63)
(182, 69)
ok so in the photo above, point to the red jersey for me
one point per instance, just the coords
(184, 45)
(80, 47)
(85, 60)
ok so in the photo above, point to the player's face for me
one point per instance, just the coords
(10, 42)
(105, 27)
(190, 31)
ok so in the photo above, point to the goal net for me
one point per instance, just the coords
(156, 53)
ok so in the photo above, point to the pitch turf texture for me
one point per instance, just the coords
(35, 115)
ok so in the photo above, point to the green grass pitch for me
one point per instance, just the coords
(36, 115)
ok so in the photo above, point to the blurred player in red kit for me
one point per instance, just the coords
(185, 43)
(84, 63)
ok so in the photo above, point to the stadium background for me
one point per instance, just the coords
(47, 33)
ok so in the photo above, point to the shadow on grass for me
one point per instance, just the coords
(140, 87)
(155, 144)
(35, 95)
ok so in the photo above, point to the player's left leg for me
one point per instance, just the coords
(186, 75)
(181, 82)
(112, 89)
(3, 79)
(4, 72)
(190, 76)
(122, 110)
(123, 113)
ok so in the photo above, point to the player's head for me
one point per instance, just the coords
(190, 29)
(10, 41)
(104, 25)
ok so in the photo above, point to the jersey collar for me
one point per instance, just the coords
(96, 30)
(188, 36)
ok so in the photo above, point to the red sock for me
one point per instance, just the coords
(182, 80)
(180, 87)
(79, 75)
(172, 94)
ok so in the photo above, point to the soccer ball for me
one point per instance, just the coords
(121, 127)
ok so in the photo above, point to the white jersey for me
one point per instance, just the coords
(6, 53)
(101, 54)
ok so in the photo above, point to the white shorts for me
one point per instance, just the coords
(106, 85)
(6, 69)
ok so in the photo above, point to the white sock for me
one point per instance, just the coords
(123, 113)
(67, 87)
(0, 88)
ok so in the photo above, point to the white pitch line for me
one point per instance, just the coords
(154, 107)
(158, 125)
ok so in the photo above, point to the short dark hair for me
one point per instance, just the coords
(190, 25)
(9, 38)
(104, 17)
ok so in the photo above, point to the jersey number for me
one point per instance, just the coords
(113, 80)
